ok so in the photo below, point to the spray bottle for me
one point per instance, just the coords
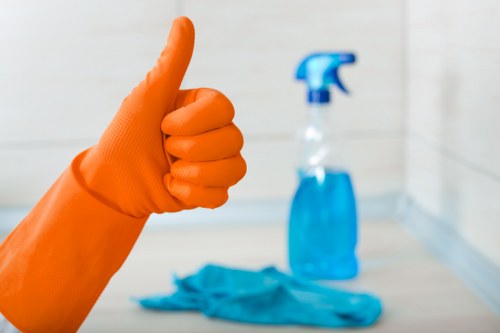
(323, 219)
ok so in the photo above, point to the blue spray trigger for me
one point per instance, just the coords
(320, 71)
(338, 82)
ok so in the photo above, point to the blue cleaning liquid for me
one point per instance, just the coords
(323, 227)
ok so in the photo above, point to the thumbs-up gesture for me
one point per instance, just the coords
(167, 149)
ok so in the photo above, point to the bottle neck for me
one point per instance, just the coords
(318, 117)
(319, 109)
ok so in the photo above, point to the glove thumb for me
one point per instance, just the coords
(160, 87)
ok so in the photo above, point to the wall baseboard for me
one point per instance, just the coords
(10, 217)
(476, 271)
(273, 211)
(247, 212)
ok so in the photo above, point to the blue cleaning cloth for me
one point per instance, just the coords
(267, 296)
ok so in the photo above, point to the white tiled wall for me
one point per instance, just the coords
(66, 66)
(453, 80)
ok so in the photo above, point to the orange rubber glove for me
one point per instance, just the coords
(165, 150)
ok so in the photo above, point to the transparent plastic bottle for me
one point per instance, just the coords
(323, 218)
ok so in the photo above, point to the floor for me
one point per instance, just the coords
(419, 293)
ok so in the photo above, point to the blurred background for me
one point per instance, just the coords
(422, 125)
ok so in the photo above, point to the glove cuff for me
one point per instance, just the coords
(57, 261)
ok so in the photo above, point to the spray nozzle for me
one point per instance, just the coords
(320, 70)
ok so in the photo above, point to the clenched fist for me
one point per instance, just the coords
(167, 149)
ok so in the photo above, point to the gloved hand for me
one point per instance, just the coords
(138, 170)
(165, 150)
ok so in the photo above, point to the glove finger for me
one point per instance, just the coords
(195, 195)
(222, 173)
(198, 111)
(217, 144)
